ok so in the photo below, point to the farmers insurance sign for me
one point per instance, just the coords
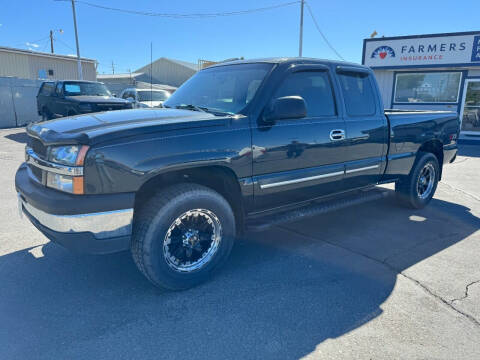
(412, 51)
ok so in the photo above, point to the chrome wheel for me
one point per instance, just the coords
(192, 240)
(426, 181)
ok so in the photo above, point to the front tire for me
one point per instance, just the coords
(182, 235)
(46, 115)
(417, 189)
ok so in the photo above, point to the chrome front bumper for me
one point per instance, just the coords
(102, 225)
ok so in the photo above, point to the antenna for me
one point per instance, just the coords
(151, 72)
(300, 44)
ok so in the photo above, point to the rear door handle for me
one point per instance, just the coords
(337, 134)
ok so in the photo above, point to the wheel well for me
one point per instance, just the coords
(217, 178)
(436, 148)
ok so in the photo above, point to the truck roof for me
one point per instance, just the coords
(291, 60)
(78, 81)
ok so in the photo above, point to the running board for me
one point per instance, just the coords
(317, 208)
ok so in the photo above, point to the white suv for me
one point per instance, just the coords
(144, 98)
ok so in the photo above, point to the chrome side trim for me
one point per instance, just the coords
(33, 159)
(102, 225)
(361, 169)
(295, 181)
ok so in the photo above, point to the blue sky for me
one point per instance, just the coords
(125, 39)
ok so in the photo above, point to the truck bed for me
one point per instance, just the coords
(410, 128)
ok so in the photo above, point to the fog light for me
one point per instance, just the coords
(70, 184)
(60, 182)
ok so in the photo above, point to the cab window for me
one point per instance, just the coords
(58, 89)
(314, 87)
(47, 89)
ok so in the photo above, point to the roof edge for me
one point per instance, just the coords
(423, 36)
(38, 53)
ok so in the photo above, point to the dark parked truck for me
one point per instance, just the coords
(239, 143)
(67, 98)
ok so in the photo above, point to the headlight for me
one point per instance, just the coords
(85, 107)
(72, 156)
(66, 155)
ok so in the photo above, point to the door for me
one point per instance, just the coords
(58, 103)
(366, 127)
(470, 113)
(300, 159)
(44, 95)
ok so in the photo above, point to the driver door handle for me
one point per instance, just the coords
(337, 134)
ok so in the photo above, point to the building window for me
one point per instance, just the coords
(428, 87)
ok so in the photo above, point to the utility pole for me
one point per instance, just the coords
(300, 45)
(113, 67)
(52, 32)
(79, 62)
(51, 41)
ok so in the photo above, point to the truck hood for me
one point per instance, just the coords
(93, 128)
(96, 99)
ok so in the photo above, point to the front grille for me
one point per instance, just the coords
(37, 147)
(107, 107)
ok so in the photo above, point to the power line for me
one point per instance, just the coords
(31, 42)
(65, 44)
(321, 33)
(186, 16)
(45, 45)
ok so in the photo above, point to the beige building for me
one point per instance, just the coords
(26, 64)
(167, 71)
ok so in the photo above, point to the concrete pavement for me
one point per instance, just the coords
(370, 282)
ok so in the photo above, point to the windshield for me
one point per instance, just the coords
(155, 95)
(85, 88)
(224, 88)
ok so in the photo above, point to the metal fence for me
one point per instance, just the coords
(18, 102)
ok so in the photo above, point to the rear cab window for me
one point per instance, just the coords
(358, 94)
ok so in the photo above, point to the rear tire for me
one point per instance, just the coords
(417, 189)
(182, 235)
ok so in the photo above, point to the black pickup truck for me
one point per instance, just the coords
(72, 97)
(239, 143)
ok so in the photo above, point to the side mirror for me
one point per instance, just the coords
(114, 95)
(130, 99)
(287, 107)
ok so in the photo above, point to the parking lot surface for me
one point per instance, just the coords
(374, 281)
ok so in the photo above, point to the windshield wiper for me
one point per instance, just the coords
(191, 107)
(215, 112)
